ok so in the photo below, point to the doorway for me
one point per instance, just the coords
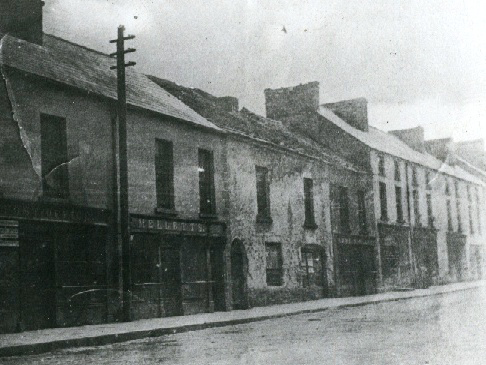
(238, 277)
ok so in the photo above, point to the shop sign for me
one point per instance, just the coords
(354, 240)
(9, 233)
(154, 224)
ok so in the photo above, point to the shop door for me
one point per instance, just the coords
(238, 275)
(171, 281)
(217, 275)
(37, 270)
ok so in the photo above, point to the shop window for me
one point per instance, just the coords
(362, 212)
(206, 183)
(312, 265)
(398, 199)
(263, 195)
(309, 203)
(398, 176)
(383, 202)
(164, 174)
(274, 271)
(54, 158)
(381, 165)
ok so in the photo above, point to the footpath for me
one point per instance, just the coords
(46, 340)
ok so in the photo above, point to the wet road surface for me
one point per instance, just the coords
(447, 329)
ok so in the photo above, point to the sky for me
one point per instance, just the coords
(416, 62)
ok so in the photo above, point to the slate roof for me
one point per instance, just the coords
(249, 124)
(387, 143)
(89, 70)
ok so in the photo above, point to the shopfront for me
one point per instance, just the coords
(177, 266)
(356, 264)
(52, 266)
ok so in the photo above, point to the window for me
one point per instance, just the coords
(383, 202)
(471, 223)
(428, 180)
(469, 197)
(263, 195)
(449, 216)
(398, 198)
(416, 207)
(478, 211)
(381, 165)
(362, 212)
(398, 176)
(206, 183)
(343, 210)
(274, 263)
(309, 203)
(430, 215)
(55, 173)
(164, 174)
(458, 207)
(414, 176)
(312, 265)
(447, 188)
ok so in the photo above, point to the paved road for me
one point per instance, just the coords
(448, 329)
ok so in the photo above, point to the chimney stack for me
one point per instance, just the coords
(290, 101)
(413, 137)
(228, 103)
(22, 19)
(354, 112)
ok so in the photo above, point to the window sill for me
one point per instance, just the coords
(166, 212)
(310, 225)
(264, 219)
(48, 199)
(208, 216)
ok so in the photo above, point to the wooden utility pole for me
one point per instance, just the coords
(123, 225)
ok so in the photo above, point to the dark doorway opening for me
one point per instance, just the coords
(238, 277)
(37, 271)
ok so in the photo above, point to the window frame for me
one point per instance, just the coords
(274, 275)
(262, 195)
(206, 184)
(309, 213)
(383, 201)
(164, 174)
(47, 151)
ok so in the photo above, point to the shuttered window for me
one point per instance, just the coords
(55, 173)
(164, 174)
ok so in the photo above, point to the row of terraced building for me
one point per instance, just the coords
(228, 209)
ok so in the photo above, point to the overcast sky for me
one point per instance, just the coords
(417, 62)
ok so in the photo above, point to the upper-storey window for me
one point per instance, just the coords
(381, 165)
(309, 203)
(414, 176)
(428, 179)
(54, 158)
(207, 202)
(398, 175)
(447, 187)
(383, 202)
(263, 194)
(344, 209)
(164, 174)
(362, 212)
(399, 205)
(478, 211)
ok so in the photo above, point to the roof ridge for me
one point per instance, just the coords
(76, 44)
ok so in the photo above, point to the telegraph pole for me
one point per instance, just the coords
(123, 224)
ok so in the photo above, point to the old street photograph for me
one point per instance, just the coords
(243, 182)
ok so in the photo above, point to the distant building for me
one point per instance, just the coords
(429, 213)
